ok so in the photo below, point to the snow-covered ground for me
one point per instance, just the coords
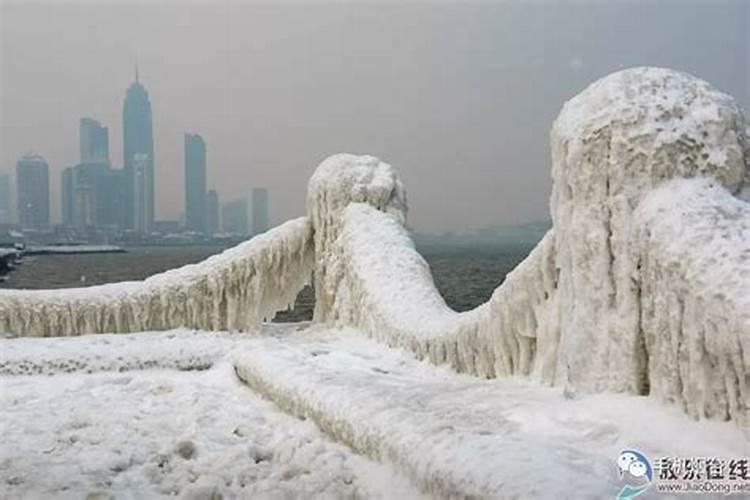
(167, 414)
(128, 432)
(459, 436)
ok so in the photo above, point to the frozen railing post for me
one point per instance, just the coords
(612, 298)
(338, 181)
(611, 146)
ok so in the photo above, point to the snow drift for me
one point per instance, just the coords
(235, 290)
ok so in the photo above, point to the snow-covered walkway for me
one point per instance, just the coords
(461, 436)
(163, 413)
(135, 430)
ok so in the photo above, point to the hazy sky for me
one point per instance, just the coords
(459, 97)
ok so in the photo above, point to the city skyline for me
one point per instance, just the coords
(94, 193)
(459, 98)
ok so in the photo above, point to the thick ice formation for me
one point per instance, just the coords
(463, 437)
(694, 265)
(642, 285)
(234, 290)
(338, 181)
(611, 145)
(586, 308)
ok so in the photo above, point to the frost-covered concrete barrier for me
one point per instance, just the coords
(235, 290)
(641, 286)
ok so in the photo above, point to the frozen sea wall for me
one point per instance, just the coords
(641, 286)
(234, 290)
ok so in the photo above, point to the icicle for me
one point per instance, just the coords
(234, 290)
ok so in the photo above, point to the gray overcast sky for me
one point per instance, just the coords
(458, 97)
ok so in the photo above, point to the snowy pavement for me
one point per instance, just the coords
(460, 436)
(167, 415)
(159, 432)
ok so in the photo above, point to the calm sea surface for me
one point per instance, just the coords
(465, 277)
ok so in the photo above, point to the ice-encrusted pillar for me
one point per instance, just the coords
(340, 180)
(612, 144)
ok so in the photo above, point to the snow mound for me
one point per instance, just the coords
(234, 290)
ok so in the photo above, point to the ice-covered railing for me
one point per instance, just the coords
(234, 290)
(642, 285)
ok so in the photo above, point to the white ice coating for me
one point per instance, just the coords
(234, 290)
(694, 238)
(342, 179)
(641, 286)
(611, 145)
(589, 309)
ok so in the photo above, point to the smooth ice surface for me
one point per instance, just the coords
(163, 433)
(459, 436)
(234, 290)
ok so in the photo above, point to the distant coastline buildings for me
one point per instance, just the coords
(212, 212)
(138, 158)
(92, 192)
(259, 212)
(247, 215)
(5, 200)
(99, 201)
(234, 217)
(195, 183)
(32, 192)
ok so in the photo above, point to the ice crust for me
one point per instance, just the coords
(235, 290)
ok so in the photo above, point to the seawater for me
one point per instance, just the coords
(465, 277)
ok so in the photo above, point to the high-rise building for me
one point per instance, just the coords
(92, 195)
(94, 141)
(5, 205)
(260, 210)
(195, 183)
(138, 139)
(212, 212)
(142, 219)
(111, 198)
(32, 191)
(66, 197)
(234, 217)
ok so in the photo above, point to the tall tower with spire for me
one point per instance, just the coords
(138, 157)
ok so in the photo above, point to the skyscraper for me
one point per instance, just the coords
(234, 217)
(32, 188)
(260, 210)
(138, 139)
(195, 183)
(94, 141)
(5, 212)
(140, 189)
(66, 197)
(212, 212)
